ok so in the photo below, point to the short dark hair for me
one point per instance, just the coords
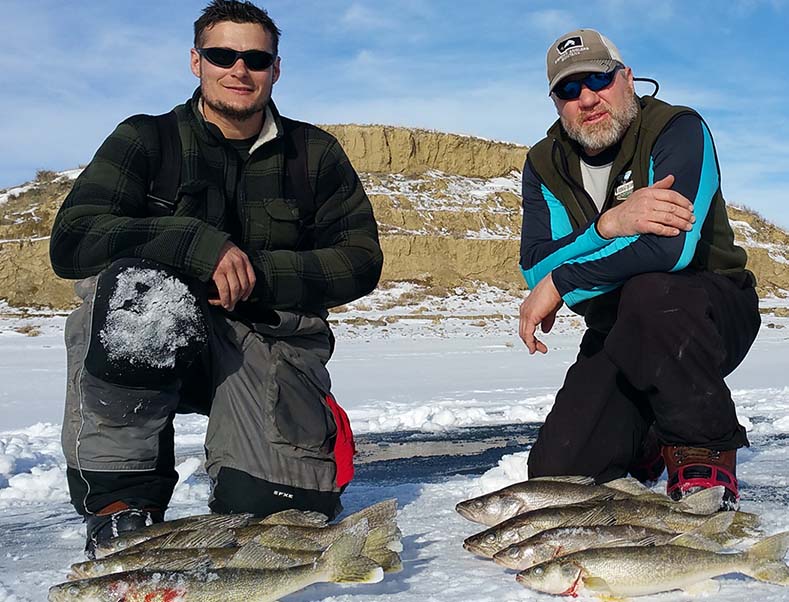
(236, 11)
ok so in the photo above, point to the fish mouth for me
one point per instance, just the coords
(477, 549)
(464, 512)
(505, 561)
(470, 547)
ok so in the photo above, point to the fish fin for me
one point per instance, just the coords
(228, 521)
(745, 524)
(717, 523)
(707, 586)
(253, 555)
(282, 537)
(376, 515)
(695, 541)
(199, 539)
(382, 546)
(647, 541)
(595, 515)
(344, 562)
(296, 518)
(705, 501)
(630, 486)
(577, 479)
(771, 548)
(389, 561)
(596, 584)
(199, 564)
(765, 559)
(771, 571)
(386, 537)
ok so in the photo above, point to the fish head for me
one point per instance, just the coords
(491, 541)
(525, 554)
(559, 577)
(490, 509)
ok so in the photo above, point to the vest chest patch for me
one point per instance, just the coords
(624, 186)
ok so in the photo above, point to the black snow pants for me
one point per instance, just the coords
(662, 364)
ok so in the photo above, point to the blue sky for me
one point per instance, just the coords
(71, 70)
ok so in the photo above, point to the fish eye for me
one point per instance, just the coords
(477, 504)
(73, 591)
(514, 552)
(490, 538)
(539, 571)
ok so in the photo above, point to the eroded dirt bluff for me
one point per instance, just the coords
(448, 208)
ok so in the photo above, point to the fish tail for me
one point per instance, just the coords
(766, 559)
(382, 546)
(744, 524)
(377, 515)
(345, 565)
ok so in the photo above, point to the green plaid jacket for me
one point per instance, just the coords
(105, 216)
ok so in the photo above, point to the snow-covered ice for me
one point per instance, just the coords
(455, 362)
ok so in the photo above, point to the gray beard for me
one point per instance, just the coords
(597, 137)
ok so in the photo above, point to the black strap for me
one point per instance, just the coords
(163, 191)
(297, 181)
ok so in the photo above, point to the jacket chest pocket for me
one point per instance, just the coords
(271, 224)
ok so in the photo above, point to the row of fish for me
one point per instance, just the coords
(213, 558)
(568, 535)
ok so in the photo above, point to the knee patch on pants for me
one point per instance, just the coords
(147, 325)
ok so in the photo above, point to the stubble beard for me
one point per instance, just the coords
(598, 136)
(229, 111)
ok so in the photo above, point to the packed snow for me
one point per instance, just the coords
(432, 365)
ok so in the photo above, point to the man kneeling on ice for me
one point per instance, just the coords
(624, 220)
(211, 241)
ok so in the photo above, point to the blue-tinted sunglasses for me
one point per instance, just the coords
(570, 90)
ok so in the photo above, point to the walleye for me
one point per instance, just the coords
(612, 512)
(562, 541)
(340, 563)
(306, 531)
(544, 492)
(188, 547)
(378, 547)
(639, 571)
(203, 521)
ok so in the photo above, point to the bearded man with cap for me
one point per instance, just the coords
(625, 222)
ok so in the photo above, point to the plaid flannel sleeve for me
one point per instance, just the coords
(104, 217)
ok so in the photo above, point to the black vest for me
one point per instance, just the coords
(556, 162)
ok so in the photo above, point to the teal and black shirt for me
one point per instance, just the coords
(559, 234)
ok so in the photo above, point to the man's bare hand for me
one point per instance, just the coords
(233, 277)
(653, 210)
(539, 307)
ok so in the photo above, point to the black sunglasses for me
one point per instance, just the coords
(570, 90)
(255, 60)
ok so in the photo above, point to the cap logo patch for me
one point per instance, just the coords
(569, 43)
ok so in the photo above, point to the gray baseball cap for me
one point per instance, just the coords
(581, 51)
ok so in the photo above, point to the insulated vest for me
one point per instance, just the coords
(556, 163)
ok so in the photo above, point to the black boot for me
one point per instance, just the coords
(116, 519)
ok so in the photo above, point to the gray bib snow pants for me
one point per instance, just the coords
(268, 384)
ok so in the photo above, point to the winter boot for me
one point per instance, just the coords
(649, 464)
(115, 519)
(691, 469)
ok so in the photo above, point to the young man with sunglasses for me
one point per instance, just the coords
(211, 296)
(624, 220)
